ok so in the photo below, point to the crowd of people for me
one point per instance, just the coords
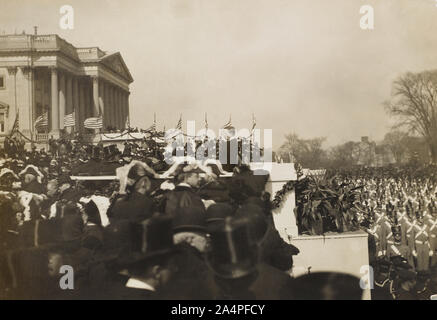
(398, 208)
(156, 232)
(181, 231)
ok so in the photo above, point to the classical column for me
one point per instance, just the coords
(116, 105)
(62, 100)
(107, 105)
(120, 109)
(88, 101)
(26, 102)
(125, 106)
(81, 106)
(76, 103)
(69, 96)
(12, 71)
(96, 109)
(54, 112)
(102, 102)
(110, 106)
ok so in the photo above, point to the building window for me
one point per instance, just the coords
(2, 82)
(2, 122)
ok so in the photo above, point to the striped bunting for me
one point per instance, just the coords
(69, 120)
(93, 123)
(42, 122)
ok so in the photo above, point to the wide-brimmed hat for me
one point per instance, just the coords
(232, 254)
(129, 174)
(33, 170)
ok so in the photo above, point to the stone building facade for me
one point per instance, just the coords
(44, 74)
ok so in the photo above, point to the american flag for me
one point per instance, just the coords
(152, 127)
(228, 125)
(179, 125)
(42, 122)
(69, 120)
(93, 123)
(16, 123)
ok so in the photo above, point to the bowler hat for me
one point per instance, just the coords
(232, 254)
(190, 219)
(218, 212)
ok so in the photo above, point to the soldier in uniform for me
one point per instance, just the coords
(420, 243)
(432, 225)
(397, 248)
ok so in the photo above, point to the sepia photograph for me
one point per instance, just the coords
(218, 150)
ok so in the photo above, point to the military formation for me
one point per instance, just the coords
(398, 209)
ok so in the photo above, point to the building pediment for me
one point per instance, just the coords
(115, 63)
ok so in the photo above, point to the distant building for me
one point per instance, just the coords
(44, 74)
(368, 153)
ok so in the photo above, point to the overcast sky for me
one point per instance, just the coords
(301, 66)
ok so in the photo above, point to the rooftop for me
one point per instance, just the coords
(51, 42)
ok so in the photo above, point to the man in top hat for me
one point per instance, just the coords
(235, 264)
(190, 227)
(145, 265)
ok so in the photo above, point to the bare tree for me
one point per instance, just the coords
(308, 152)
(396, 140)
(414, 104)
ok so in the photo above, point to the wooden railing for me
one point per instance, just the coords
(42, 137)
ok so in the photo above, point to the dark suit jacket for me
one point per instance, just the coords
(136, 208)
(182, 201)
